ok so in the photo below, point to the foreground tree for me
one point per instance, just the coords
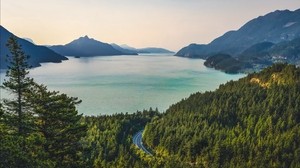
(38, 128)
(16, 119)
(59, 123)
(17, 83)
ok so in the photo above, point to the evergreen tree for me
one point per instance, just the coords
(59, 123)
(16, 119)
(18, 83)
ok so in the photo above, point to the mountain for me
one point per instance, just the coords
(125, 46)
(85, 47)
(275, 27)
(257, 57)
(146, 50)
(29, 39)
(252, 122)
(286, 51)
(256, 53)
(124, 50)
(38, 54)
(153, 50)
(193, 51)
(226, 63)
(264, 54)
(254, 58)
(257, 48)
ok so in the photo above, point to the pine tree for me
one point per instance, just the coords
(16, 117)
(17, 83)
(40, 128)
(59, 123)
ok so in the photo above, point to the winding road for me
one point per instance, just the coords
(137, 140)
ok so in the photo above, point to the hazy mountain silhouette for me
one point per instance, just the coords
(124, 50)
(125, 46)
(147, 50)
(153, 50)
(85, 47)
(38, 54)
(274, 27)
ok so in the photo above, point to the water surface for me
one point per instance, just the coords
(114, 84)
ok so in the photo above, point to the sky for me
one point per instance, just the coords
(170, 24)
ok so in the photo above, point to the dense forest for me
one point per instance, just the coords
(108, 142)
(252, 122)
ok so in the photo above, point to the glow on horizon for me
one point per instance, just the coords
(170, 24)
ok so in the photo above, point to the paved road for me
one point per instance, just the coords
(137, 140)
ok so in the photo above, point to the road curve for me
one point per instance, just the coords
(137, 140)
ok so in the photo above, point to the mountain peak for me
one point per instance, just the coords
(86, 37)
(86, 46)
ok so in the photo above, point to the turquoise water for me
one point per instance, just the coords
(114, 84)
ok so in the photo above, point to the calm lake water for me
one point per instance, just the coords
(114, 84)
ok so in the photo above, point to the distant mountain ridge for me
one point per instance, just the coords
(125, 46)
(84, 47)
(274, 27)
(87, 47)
(146, 50)
(153, 50)
(274, 37)
(124, 50)
(38, 54)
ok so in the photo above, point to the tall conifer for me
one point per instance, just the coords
(17, 83)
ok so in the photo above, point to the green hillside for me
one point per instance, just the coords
(253, 122)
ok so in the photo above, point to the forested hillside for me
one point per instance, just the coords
(108, 142)
(253, 122)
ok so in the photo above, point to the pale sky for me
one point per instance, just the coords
(170, 24)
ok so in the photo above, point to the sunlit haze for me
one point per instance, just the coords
(170, 24)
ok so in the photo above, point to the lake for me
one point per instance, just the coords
(114, 84)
